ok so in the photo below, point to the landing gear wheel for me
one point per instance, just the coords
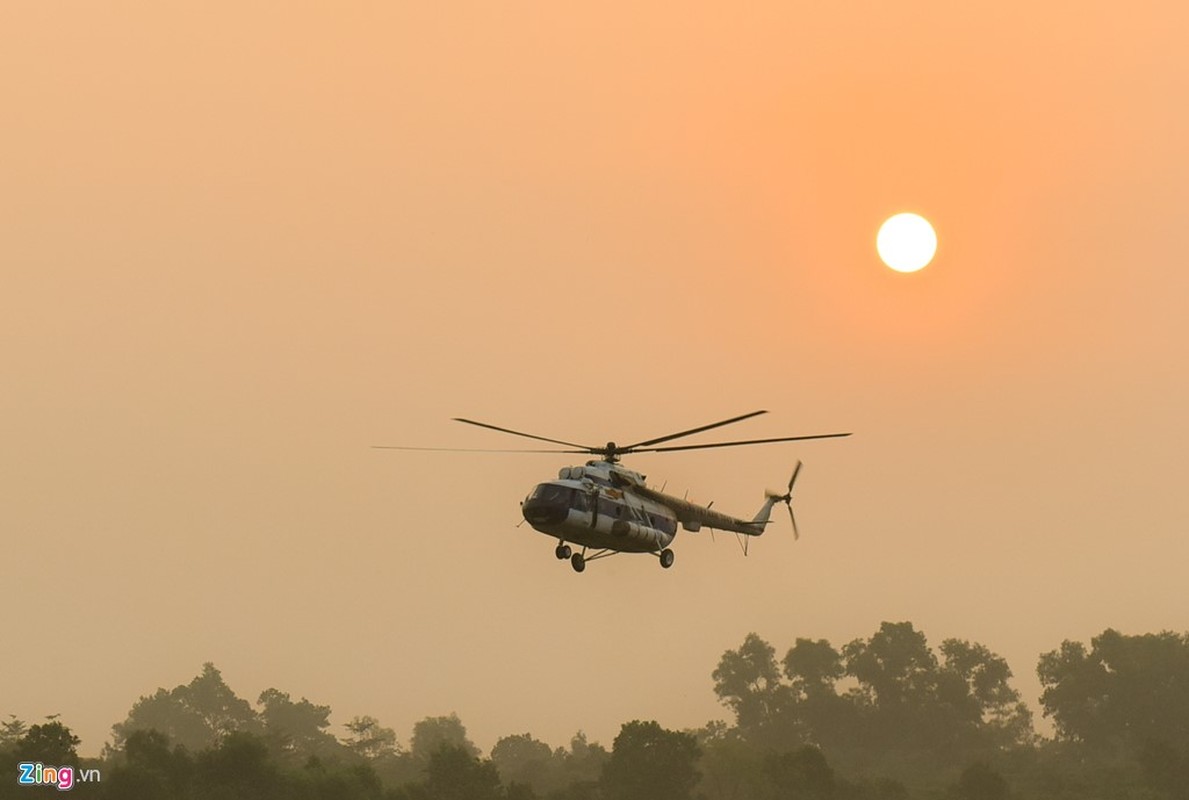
(562, 552)
(577, 562)
(667, 558)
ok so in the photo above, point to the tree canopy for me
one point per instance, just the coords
(900, 696)
(194, 715)
(1124, 691)
(649, 762)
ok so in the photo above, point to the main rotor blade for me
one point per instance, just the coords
(691, 431)
(729, 444)
(585, 448)
(467, 449)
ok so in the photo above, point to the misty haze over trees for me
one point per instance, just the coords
(882, 718)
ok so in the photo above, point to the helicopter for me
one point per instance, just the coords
(608, 509)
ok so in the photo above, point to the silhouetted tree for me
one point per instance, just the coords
(195, 715)
(170, 713)
(454, 773)
(730, 766)
(813, 669)
(296, 730)
(1124, 692)
(803, 774)
(1166, 770)
(581, 766)
(150, 769)
(219, 707)
(980, 782)
(895, 667)
(369, 739)
(524, 760)
(905, 707)
(316, 781)
(649, 762)
(909, 701)
(11, 730)
(51, 743)
(974, 682)
(576, 791)
(747, 681)
(879, 789)
(238, 767)
(433, 733)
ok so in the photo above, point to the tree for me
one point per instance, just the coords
(525, 760)
(581, 766)
(980, 782)
(958, 707)
(650, 763)
(369, 739)
(195, 715)
(295, 730)
(895, 666)
(813, 667)
(905, 700)
(170, 713)
(150, 769)
(803, 774)
(730, 767)
(11, 730)
(454, 773)
(747, 681)
(1124, 692)
(239, 766)
(825, 718)
(975, 682)
(349, 782)
(894, 703)
(433, 733)
(51, 743)
(218, 706)
(1166, 770)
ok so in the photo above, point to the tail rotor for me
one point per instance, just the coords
(787, 499)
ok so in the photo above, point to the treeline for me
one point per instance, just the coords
(882, 718)
(947, 722)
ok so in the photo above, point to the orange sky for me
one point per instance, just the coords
(240, 243)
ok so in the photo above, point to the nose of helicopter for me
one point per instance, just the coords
(547, 505)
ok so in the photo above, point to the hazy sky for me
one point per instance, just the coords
(242, 242)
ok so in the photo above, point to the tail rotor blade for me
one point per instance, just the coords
(788, 500)
(792, 480)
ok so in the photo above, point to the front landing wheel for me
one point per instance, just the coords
(562, 552)
(667, 558)
(577, 562)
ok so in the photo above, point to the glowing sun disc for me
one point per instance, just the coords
(906, 242)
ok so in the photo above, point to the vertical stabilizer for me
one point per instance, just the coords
(763, 516)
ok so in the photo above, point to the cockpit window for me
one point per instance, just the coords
(552, 495)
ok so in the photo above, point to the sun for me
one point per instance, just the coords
(906, 242)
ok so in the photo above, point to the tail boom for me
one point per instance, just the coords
(694, 517)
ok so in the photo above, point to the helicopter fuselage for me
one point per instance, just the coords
(594, 506)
